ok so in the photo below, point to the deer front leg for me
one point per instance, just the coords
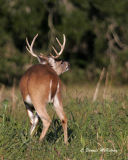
(34, 124)
(33, 118)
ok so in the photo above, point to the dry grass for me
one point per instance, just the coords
(73, 91)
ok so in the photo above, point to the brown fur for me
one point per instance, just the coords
(37, 78)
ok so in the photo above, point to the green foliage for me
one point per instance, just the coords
(91, 126)
(85, 23)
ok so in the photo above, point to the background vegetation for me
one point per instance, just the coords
(96, 31)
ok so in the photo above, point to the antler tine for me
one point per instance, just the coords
(30, 47)
(55, 50)
(61, 45)
(58, 42)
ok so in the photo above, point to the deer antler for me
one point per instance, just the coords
(30, 47)
(62, 47)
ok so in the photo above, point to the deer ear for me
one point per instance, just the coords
(42, 60)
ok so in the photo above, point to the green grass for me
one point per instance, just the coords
(91, 128)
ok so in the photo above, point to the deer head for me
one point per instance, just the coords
(58, 66)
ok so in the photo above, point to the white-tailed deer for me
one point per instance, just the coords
(41, 85)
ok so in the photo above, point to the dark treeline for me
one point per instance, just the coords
(96, 32)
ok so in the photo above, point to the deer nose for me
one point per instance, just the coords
(68, 65)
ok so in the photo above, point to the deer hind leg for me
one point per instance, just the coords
(45, 119)
(60, 112)
(34, 118)
(46, 123)
(42, 113)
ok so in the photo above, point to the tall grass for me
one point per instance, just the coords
(96, 130)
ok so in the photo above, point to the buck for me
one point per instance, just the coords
(41, 85)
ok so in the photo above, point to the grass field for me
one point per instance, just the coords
(97, 130)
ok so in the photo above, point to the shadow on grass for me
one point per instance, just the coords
(55, 132)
